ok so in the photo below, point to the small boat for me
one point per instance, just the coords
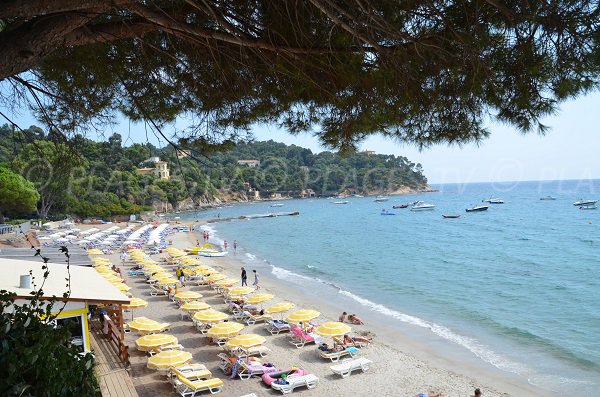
(400, 206)
(358, 196)
(381, 199)
(588, 207)
(477, 208)
(386, 212)
(277, 205)
(548, 198)
(585, 202)
(206, 250)
(493, 201)
(341, 202)
(451, 216)
(422, 206)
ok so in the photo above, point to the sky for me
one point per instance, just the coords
(569, 150)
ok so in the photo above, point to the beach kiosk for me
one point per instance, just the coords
(88, 287)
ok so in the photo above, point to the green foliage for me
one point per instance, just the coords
(18, 196)
(104, 181)
(48, 165)
(35, 357)
(418, 71)
(292, 169)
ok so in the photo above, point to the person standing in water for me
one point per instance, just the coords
(256, 279)
(234, 246)
(244, 278)
(225, 245)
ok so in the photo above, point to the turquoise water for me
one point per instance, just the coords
(516, 287)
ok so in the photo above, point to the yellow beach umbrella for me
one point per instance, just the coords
(214, 277)
(191, 261)
(203, 270)
(259, 298)
(194, 306)
(169, 358)
(112, 278)
(160, 274)
(166, 281)
(302, 316)
(135, 303)
(145, 325)
(226, 281)
(245, 341)
(153, 268)
(332, 328)
(187, 296)
(210, 316)
(121, 287)
(95, 251)
(104, 270)
(152, 341)
(280, 307)
(241, 291)
(224, 330)
(97, 261)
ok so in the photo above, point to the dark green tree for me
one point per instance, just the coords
(417, 71)
(17, 195)
(49, 166)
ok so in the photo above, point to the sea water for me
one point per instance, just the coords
(516, 286)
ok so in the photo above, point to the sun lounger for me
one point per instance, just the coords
(354, 343)
(276, 326)
(335, 356)
(188, 388)
(199, 374)
(155, 291)
(251, 351)
(224, 363)
(310, 381)
(345, 368)
(299, 338)
(252, 319)
(246, 371)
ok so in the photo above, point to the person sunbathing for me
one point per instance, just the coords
(352, 340)
(355, 320)
(336, 348)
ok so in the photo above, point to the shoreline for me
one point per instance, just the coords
(459, 372)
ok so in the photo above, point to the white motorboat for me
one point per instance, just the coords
(588, 207)
(582, 202)
(422, 206)
(341, 202)
(548, 198)
(493, 201)
(277, 205)
(477, 208)
(381, 199)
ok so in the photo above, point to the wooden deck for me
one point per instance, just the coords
(113, 377)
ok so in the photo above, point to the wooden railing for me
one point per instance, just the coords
(112, 332)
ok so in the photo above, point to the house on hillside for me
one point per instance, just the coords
(307, 193)
(249, 163)
(368, 152)
(160, 169)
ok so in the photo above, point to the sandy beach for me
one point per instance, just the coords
(401, 366)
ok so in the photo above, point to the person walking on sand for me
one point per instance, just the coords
(478, 393)
(256, 280)
(244, 278)
(180, 275)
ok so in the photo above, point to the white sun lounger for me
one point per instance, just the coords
(310, 381)
(345, 368)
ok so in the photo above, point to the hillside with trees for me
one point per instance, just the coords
(86, 178)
